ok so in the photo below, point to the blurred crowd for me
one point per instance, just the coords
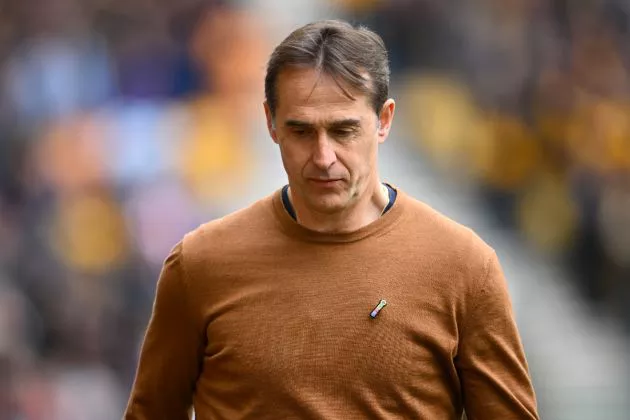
(527, 102)
(124, 124)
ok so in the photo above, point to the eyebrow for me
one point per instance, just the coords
(347, 122)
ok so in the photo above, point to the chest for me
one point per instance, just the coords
(310, 322)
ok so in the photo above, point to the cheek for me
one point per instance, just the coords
(293, 158)
(360, 159)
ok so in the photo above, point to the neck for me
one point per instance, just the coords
(368, 208)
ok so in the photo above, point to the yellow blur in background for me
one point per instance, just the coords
(125, 124)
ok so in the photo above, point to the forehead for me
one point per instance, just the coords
(305, 93)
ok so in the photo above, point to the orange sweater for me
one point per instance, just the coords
(256, 317)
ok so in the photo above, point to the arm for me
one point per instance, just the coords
(491, 361)
(171, 353)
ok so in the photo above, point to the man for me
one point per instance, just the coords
(338, 297)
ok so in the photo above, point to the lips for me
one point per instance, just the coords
(324, 182)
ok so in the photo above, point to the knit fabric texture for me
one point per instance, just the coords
(257, 317)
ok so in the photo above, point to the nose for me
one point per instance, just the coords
(324, 154)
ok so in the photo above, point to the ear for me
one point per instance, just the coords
(271, 125)
(385, 119)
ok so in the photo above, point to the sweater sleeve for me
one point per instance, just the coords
(171, 352)
(491, 361)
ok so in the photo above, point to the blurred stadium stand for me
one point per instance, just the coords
(124, 124)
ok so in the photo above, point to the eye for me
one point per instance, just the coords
(300, 132)
(342, 133)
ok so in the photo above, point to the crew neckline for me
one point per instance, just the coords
(288, 206)
(294, 229)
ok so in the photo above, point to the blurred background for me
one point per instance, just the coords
(126, 123)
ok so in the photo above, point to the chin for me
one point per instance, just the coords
(328, 205)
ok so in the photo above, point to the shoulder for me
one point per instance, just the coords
(448, 240)
(426, 221)
(236, 230)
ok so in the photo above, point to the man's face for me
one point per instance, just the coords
(328, 142)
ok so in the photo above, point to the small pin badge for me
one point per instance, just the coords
(378, 308)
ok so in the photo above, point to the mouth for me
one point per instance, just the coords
(325, 182)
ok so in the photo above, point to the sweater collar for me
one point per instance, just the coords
(380, 225)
